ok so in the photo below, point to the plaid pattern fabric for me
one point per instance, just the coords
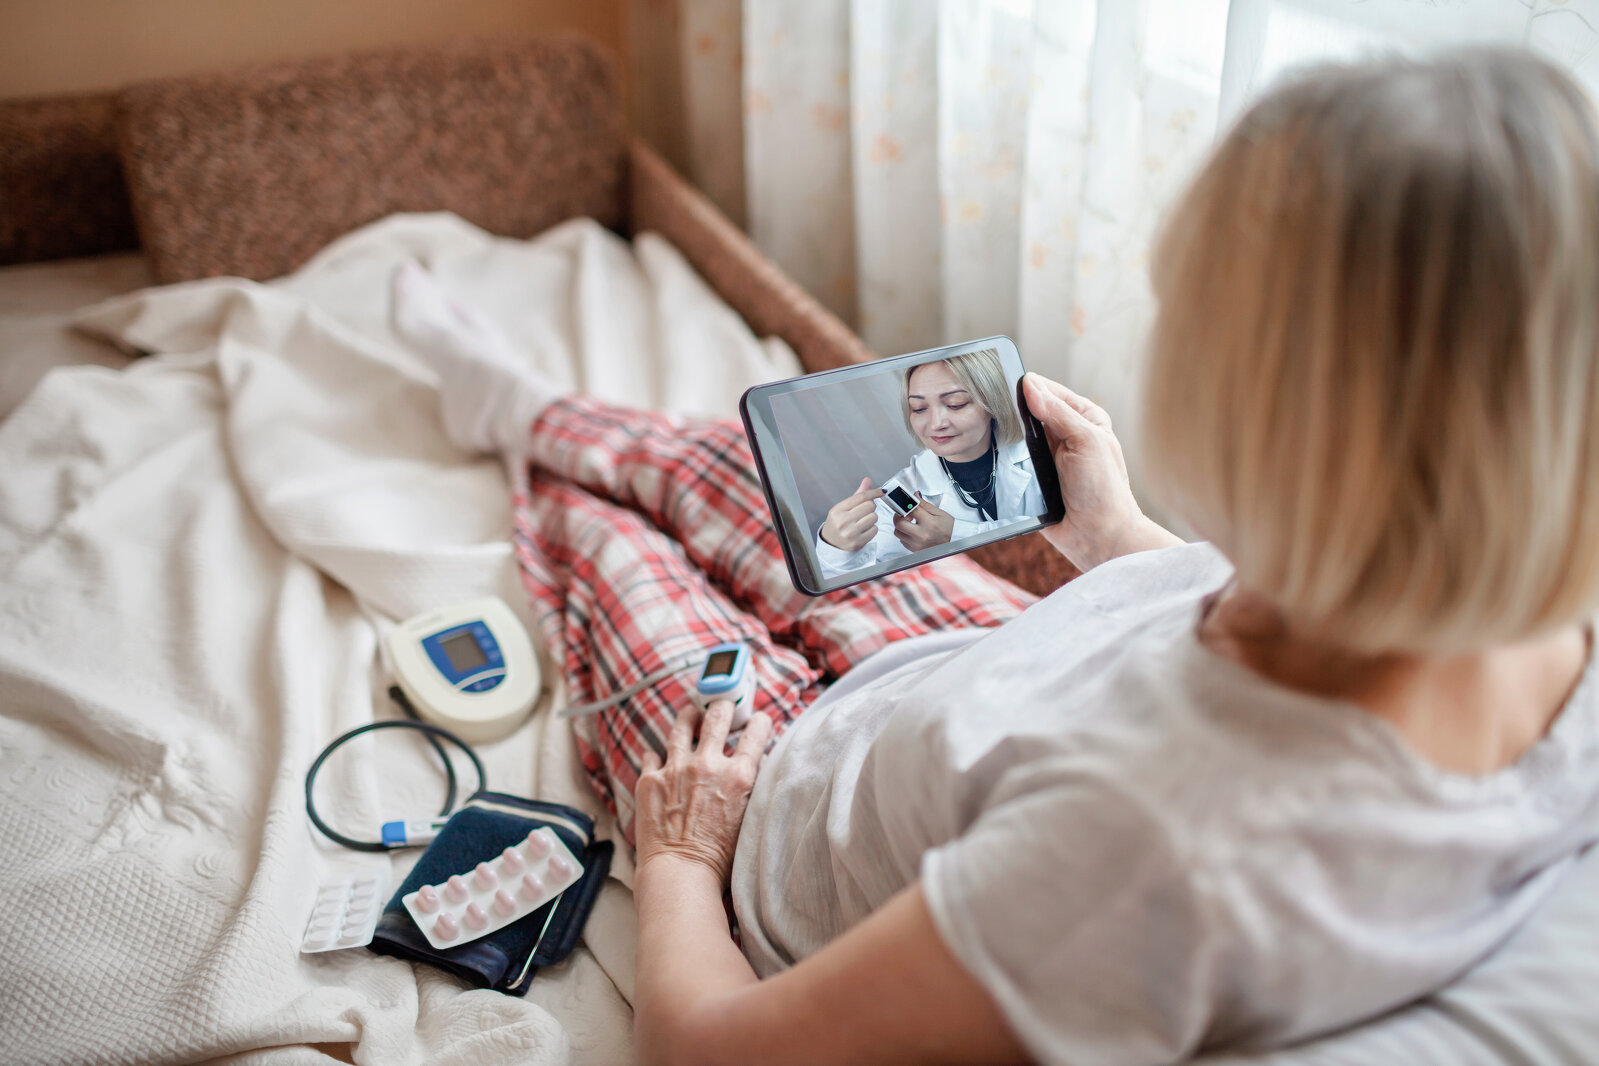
(643, 539)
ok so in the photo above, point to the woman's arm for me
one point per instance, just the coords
(888, 990)
(1103, 520)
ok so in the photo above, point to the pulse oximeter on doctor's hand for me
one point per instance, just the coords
(727, 676)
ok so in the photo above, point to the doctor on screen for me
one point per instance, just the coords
(974, 473)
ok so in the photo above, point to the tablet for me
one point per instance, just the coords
(886, 465)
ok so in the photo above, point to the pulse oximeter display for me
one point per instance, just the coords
(720, 663)
(902, 501)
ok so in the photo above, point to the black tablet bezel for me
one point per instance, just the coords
(764, 441)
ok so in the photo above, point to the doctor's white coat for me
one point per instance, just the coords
(1017, 496)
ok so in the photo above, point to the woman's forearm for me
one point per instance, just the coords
(687, 961)
(1144, 535)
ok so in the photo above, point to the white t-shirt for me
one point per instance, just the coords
(1139, 848)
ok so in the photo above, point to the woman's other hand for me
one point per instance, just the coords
(1102, 519)
(925, 527)
(693, 806)
(852, 522)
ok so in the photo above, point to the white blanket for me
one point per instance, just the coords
(197, 555)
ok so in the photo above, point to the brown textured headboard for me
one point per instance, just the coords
(250, 172)
(61, 188)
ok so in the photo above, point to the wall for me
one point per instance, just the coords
(55, 46)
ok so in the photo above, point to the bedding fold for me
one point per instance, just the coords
(198, 555)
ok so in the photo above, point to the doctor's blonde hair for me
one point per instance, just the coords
(1373, 378)
(983, 376)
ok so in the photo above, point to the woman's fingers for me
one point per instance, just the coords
(650, 763)
(680, 741)
(713, 728)
(752, 745)
(1045, 400)
(1076, 401)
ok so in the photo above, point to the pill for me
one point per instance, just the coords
(427, 899)
(475, 918)
(532, 887)
(504, 905)
(513, 861)
(445, 928)
(318, 938)
(483, 877)
(537, 845)
(560, 869)
(455, 889)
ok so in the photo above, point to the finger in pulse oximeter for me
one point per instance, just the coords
(727, 676)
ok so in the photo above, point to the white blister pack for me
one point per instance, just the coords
(345, 914)
(492, 895)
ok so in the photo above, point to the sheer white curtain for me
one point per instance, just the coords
(936, 170)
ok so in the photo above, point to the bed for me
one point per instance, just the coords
(221, 474)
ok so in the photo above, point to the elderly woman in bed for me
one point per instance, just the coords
(1229, 795)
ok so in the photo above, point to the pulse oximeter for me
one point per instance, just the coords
(726, 675)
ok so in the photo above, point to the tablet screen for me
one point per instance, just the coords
(874, 468)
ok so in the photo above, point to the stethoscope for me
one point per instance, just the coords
(993, 476)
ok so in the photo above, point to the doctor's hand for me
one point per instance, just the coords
(1102, 520)
(925, 527)
(692, 807)
(852, 522)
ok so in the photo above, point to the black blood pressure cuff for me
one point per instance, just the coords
(506, 959)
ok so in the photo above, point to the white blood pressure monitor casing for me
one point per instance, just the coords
(469, 668)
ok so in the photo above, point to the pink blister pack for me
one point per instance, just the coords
(495, 893)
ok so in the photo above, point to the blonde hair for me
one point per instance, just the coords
(1372, 377)
(981, 374)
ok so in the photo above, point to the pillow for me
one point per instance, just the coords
(250, 172)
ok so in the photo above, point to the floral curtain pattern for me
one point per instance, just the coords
(937, 170)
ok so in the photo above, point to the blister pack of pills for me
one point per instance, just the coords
(495, 893)
(345, 913)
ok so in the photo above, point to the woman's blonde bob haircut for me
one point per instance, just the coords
(1372, 375)
(981, 374)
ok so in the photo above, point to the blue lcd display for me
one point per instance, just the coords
(468, 656)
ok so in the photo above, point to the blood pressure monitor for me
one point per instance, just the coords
(726, 675)
(469, 668)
